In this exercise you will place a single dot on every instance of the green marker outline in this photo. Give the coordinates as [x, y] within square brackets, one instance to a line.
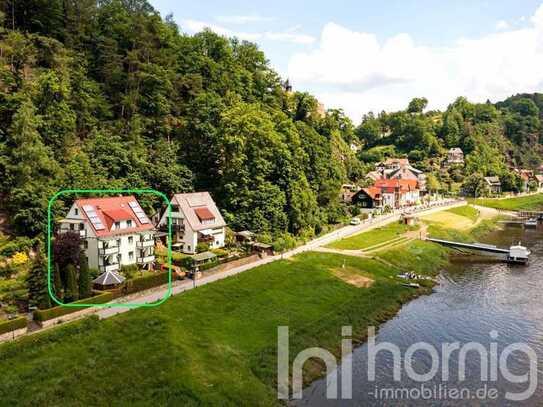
[111, 191]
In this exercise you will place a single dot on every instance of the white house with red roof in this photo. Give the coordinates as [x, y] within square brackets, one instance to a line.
[195, 219]
[115, 232]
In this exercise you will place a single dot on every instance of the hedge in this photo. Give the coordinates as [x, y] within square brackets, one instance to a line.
[12, 325]
[46, 314]
[207, 266]
[143, 283]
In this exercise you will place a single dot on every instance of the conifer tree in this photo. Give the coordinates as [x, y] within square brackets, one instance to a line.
[71, 293]
[84, 278]
[38, 294]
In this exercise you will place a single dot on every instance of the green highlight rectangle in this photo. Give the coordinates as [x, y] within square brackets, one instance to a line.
[108, 191]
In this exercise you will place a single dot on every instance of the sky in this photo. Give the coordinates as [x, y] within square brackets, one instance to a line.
[364, 56]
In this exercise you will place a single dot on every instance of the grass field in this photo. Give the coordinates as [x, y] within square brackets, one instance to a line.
[527, 203]
[215, 345]
[372, 237]
[461, 218]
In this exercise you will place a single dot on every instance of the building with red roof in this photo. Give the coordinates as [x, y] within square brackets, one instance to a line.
[115, 232]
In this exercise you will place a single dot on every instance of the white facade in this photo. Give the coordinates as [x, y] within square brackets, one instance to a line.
[109, 251]
[188, 229]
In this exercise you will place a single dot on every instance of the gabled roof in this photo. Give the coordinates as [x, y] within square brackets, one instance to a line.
[493, 181]
[196, 204]
[539, 178]
[373, 192]
[404, 185]
[110, 210]
[456, 150]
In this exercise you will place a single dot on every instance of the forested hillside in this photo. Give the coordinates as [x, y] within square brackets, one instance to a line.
[109, 95]
[113, 96]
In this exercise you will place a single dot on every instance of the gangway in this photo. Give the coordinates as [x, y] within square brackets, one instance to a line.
[515, 254]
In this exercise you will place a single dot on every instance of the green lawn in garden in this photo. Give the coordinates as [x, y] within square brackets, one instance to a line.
[372, 237]
[524, 203]
[214, 345]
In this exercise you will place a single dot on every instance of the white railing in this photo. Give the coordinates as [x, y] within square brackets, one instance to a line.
[146, 259]
[145, 243]
[109, 267]
[106, 251]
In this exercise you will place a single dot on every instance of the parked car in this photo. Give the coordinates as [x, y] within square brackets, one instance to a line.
[355, 221]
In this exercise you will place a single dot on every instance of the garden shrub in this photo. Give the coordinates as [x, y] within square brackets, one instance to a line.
[12, 325]
[46, 314]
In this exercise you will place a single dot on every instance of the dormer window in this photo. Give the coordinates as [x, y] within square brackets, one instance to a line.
[205, 216]
[117, 225]
[129, 223]
[76, 211]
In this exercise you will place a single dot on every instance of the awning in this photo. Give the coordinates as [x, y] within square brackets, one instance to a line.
[109, 278]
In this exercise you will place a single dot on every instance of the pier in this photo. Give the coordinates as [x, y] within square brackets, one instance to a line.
[515, 254]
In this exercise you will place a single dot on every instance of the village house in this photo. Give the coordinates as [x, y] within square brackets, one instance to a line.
[347, 192]
[115, 232]
[195, 219]
[394, 193]
[398, 168]
[539, 180]
[455, 156]
[494, 185]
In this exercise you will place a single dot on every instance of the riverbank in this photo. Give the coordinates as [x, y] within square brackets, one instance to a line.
[524, 203]
[216, 344]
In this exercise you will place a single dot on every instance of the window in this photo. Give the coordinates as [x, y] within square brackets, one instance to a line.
[85, 244]
[118, 242]
[130, 255]
[76, 211]
[130, 240]
[117, 225]
[129, 223]
[81, 226]
[72, 226]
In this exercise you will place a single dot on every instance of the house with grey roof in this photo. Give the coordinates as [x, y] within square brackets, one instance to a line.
[494, 185]
[195, 219]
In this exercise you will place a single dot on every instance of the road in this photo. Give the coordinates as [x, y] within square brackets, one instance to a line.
[346, 231]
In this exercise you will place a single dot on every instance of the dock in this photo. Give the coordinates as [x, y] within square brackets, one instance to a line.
[515, 254]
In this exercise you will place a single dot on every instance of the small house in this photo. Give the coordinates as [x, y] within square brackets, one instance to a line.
[195, 219]
[539, 180]
[368, 198]
[494, 185]
[108, 280]
[455, 156]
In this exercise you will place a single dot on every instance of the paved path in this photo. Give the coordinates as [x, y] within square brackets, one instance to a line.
[185, 285]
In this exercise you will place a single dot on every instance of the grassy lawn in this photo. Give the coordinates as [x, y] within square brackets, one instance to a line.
[527, 203]
[371, 237]
[417, 257]
[214, 345]
[461, 218]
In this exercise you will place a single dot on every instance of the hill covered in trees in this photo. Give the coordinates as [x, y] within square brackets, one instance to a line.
[110, 95]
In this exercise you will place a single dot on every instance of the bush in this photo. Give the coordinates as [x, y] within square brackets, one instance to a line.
[220, 253]
[129, 270]
[202, 247]
[20, 244]
[143, 283]
[12, 325]
[208, 266]
[284, 242]
[44, 315]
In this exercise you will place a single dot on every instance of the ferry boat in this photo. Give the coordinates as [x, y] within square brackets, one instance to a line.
[518, 254]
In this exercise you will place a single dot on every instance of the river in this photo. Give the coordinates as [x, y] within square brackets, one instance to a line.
[471, 300]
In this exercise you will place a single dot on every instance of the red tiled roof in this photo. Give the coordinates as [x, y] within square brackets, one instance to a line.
[404, 185]
[204, 213]
[373, 192]
[110, 210]
[117, 214]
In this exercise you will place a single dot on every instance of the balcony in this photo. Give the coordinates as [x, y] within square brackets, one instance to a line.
[109, 267]
[106, 251]
[175, 228]
[145, 243]
[146, 259]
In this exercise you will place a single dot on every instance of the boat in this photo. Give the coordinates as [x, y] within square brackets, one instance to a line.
[518, 254]
[411, 285]
[531, 223]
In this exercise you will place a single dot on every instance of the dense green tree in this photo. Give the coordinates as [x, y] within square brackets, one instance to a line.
[71, 289]
[38, 293]
[84, 280]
